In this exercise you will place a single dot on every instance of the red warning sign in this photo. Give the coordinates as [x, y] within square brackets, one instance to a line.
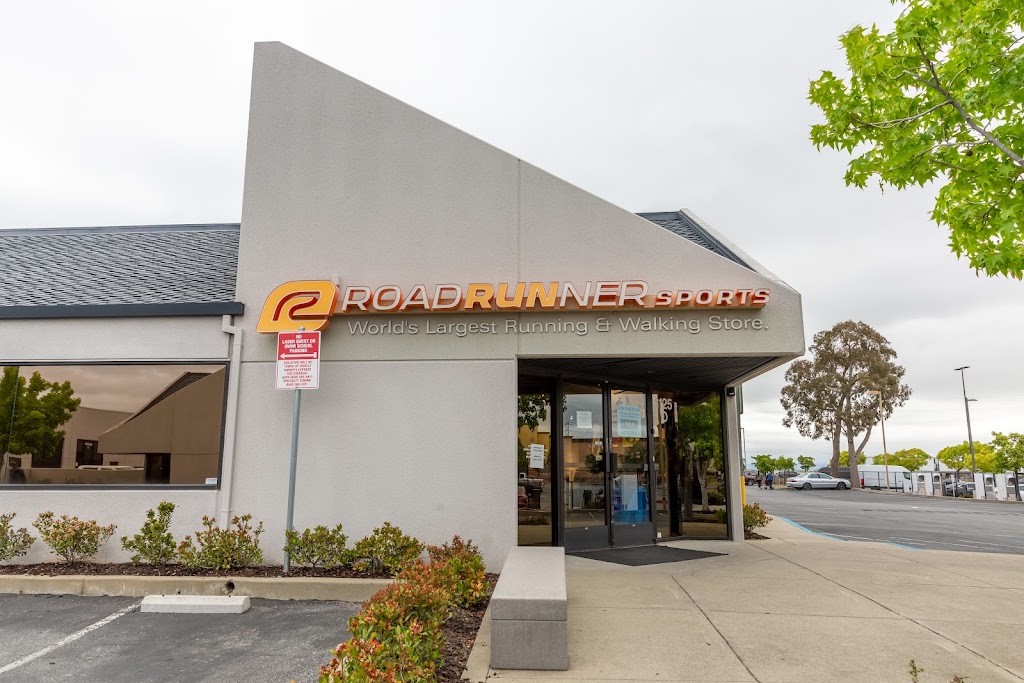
[298, 360]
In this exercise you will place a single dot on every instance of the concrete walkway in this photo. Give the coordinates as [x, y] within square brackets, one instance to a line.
[798, 607]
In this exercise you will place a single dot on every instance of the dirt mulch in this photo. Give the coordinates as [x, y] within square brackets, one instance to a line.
[754, 536]
[459, 635]
[129, 569]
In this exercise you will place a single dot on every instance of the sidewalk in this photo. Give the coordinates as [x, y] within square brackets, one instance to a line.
[858, 612]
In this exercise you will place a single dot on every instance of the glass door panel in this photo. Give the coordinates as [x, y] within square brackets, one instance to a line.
[585, 493]
[535, 461]
[631, 515]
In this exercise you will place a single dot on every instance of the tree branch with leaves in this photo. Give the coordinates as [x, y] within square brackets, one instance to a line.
[939, 99]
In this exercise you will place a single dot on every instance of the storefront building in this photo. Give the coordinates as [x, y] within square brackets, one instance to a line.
[467, 301]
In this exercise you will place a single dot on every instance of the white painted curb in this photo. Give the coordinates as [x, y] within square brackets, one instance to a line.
[195, 604]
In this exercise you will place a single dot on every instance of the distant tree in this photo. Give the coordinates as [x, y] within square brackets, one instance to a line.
[32, 411]
[826, 397]
[911, 458]
[844, 459]
[958, 456]
[785, 464]
[806, 462]
[764, 463]
[938, 100]
[1010, 455]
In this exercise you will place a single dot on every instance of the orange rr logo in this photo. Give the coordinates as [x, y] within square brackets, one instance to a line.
[306, 303]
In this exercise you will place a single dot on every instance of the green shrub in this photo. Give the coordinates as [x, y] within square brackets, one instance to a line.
[715, 498]
[318, 547]
[154, 544]
[722, 516]
[386, 550]
[462, 570]
[72, 538]
[223, 549]
[754, 517]
[398, 634]
[13, 542]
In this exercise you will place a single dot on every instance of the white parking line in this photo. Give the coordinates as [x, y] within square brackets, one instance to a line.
[69, 639]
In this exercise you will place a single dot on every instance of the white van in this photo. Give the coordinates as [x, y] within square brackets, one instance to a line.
[873, 476]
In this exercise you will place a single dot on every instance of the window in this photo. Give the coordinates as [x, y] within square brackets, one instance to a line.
[122, 425]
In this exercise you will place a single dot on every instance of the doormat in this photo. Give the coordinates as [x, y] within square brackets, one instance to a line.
[643, 555]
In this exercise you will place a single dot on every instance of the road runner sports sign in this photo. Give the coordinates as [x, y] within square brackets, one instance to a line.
[311, 303]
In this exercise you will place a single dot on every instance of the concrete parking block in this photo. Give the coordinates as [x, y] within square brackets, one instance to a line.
[194, 604]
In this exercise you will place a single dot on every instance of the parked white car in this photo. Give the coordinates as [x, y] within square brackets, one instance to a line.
[817, 480]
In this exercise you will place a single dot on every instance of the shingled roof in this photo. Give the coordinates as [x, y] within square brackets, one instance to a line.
[152, 270]
[119, 271]
[684, 226]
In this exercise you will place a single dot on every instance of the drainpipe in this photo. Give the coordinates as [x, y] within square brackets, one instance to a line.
[230, 421]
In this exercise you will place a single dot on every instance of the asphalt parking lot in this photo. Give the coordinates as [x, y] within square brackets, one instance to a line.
[70, 638]
[915, 521]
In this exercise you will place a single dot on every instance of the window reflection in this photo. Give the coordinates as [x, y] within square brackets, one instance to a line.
[111, 424]
[690, 467]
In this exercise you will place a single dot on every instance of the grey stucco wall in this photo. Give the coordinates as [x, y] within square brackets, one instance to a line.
[425, 445]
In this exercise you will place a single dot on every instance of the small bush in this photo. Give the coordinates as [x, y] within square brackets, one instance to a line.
[398, 634]
[319, 547]
[722, 516]
[754, 518]
[223, 549]
[13, 542]
[386, 550]
[154, 544]
[715, 498]
[462, 570]
[72, 538]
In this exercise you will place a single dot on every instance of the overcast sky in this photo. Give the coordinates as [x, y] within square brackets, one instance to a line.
[122, 113]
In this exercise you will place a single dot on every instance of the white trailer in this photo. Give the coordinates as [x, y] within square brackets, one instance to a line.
[873, 477]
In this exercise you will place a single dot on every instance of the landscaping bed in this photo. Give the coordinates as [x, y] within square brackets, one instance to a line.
[459, 636]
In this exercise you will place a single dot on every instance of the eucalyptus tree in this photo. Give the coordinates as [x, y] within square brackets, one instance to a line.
[826, 396]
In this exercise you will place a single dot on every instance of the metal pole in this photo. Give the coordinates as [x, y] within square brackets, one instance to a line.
[296, 408]
[967, 409]
[885, 449]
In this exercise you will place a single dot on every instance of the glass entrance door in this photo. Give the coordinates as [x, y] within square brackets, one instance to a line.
[586, 496]
[629, 468]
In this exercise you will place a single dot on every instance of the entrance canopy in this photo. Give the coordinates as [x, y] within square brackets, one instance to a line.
[667, 373]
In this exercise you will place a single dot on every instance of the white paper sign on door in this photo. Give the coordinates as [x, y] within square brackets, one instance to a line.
[537, 455]
[584, 419]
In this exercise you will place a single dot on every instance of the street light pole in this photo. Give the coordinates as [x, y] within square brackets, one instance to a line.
[967, 409]
[885, 449]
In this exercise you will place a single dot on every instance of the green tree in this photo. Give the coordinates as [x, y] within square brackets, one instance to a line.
[826, 397]
[764, 463]
[785, 464]
[939, 100]
[844, 459]
[31, 412]
[958, 456]
[806, 462]
[911, 458]
[1010, 455]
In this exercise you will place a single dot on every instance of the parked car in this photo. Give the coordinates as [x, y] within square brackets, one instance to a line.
[530, 482]
[963, 488]
[749, 478]
[817, 480]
